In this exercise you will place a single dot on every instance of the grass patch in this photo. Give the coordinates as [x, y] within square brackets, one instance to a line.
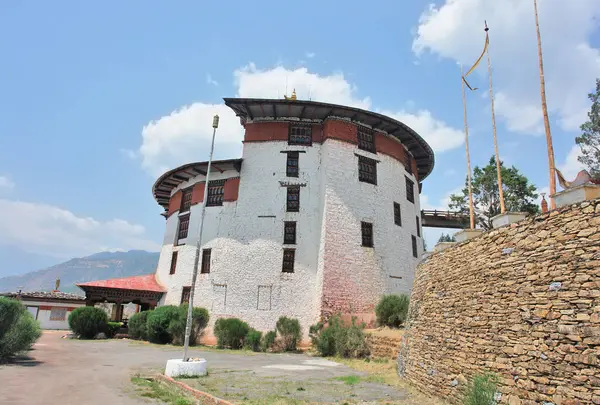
[349, 379]
[149, 388]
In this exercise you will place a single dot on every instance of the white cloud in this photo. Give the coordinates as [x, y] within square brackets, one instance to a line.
[210, 80]
[6, 183]
[437, 133]
[184, 135]
[310, 55]
[128, 153]
[50, 230]
[571, 166]
[455, 30]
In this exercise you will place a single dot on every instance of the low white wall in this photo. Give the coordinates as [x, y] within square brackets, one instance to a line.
[42, 310]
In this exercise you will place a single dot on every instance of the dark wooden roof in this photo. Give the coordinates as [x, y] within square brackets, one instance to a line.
[258, 109]
[165, 184]
[45, 295]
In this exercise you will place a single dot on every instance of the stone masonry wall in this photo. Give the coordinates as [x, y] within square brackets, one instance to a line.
[521, 301]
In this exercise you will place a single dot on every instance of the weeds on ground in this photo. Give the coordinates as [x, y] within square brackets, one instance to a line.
[149, 388]
[481, 389]
[349, 379]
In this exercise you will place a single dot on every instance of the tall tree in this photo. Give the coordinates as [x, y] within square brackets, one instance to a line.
[519, 194]
[589, 141]
[446, 238]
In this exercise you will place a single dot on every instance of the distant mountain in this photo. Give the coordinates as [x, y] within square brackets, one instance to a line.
[98, 266]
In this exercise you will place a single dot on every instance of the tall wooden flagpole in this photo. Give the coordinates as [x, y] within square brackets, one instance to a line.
[545, 111]
[464, 97]
[500, 192]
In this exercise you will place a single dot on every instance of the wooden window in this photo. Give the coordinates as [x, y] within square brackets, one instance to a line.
[173, 263]
[58, 314]
[184, 224]
[289, 256]
[410, 190]
[300, 134]
[215, 193]
[414, 246]
[367, 234]
[186, 200]
[408, 162]
[367, 170]
[289, 233]
[185, 295]
[292, 164]
[366, 139]
[397, 214]
[418, 227]
[293, 199]
[205, 261]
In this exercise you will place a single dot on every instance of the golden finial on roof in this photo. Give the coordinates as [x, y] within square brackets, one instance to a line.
[293, 97]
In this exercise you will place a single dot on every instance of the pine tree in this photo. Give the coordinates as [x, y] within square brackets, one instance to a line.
[589, 141]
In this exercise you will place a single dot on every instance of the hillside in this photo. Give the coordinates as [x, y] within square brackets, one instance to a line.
[98, 266]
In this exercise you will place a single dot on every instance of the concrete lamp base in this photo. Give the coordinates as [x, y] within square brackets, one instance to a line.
[192, 368]
[508, 218]
[467, 234]
[576, 194]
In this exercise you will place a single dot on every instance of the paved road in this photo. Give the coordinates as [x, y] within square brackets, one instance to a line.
[65, 372]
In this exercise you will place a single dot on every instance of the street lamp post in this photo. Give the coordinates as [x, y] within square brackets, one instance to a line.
[188, 325]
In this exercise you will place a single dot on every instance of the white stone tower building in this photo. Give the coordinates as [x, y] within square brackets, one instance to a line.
[321, 215]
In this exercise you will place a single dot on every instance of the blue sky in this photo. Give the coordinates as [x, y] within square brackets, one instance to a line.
[97, 99]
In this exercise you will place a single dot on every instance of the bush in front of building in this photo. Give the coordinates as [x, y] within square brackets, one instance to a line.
[112, 328]
[481, 390]
[87, 322]
[230, 332]
[158, 322]
[392, 310]
[252, 340]
[268, 340]
[289, 332]
[200, 319]
[18, 329]
[137, 325]
[339, 339]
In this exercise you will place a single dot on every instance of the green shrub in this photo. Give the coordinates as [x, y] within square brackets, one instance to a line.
[268, 340]
[230, 332]
[392, 310]
[112, 328]
[289, 331]
[158, 321]
[18, 329]
[137, 325]
[481, 390]
[87, 322]
[252, 340]
[200, 319]
[339, 339]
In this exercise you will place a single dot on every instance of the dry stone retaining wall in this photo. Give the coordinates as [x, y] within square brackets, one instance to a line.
[521, 301]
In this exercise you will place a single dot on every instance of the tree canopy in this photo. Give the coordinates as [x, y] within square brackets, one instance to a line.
[519, 194]
[446, 238]
[589, 141]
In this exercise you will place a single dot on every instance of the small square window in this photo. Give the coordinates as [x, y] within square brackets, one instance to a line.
[205, 261]
[185, 295]
[289, 233]
[58, 314]
[418, 227]
[216, 188]
[367, 170]
[293, 199]
[366, 139]
[367, 234]
[289, 256]
[173, 263]
[186, 200]
[414, 246]
[410, 190]
[184, 224]
[292, 164]
[397, 214]
[300, 134]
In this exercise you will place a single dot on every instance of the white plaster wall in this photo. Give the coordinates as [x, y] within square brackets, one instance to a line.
[246, 237]
[43, 316]
[355, 276]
